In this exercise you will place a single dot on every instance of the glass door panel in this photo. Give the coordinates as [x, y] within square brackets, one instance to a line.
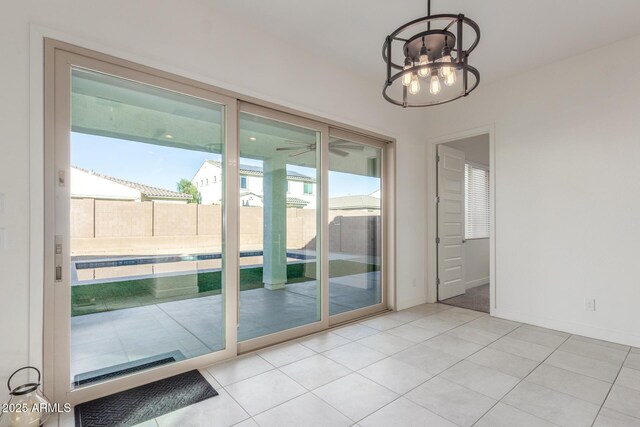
[146, 183]
[355, 226]
[279, 250]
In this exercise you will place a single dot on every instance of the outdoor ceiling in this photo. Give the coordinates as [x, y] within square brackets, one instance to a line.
[108, 106]
[260, 138]
[104, 105]
[516, 35]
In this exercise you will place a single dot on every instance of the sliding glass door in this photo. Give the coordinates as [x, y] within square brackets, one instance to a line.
[356, 213]
[280, 234]
[140, 205]
[185, 227]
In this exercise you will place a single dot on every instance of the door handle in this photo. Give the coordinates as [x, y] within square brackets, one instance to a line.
[58, 258]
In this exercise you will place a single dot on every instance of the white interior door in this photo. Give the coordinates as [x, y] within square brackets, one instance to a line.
[450, 222]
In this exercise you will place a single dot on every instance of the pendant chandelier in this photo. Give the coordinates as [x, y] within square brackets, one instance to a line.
[432, 62]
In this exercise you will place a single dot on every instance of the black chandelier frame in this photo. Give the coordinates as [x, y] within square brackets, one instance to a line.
[436, 39]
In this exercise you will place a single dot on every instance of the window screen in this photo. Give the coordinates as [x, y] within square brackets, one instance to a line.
[476, 202]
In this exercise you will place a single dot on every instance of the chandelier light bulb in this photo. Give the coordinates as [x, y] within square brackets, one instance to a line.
[446, 58]
[406, 79]
[424, 60]
[434, 85]
[414, 86]
[450, 78]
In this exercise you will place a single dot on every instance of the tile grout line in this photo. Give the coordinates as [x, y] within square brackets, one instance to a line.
[356, 372]
[460, 385]
[566, 394]
[352, 372]
[413, 344]
[435, 375]
[307, 391]
[520, 382]
[278, 368]
[585, 357]
[612, 385]
[422, 342]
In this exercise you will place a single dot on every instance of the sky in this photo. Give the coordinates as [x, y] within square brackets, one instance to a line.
[163, 167]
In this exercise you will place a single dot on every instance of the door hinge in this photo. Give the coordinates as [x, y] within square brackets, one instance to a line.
[437, 240]
[437, 199]
[437, 157]
[437, 281]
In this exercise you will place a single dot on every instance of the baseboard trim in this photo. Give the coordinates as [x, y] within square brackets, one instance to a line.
[477, 282]
[619, 337]
[404, 304]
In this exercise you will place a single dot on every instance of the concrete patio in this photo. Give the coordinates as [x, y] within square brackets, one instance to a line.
[193, 327]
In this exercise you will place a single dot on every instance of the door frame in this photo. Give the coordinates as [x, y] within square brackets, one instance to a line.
[57, 333]
[387, 270]
[42, 337]
[432, 211]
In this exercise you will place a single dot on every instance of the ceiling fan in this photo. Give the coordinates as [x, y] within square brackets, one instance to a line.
[337, 147]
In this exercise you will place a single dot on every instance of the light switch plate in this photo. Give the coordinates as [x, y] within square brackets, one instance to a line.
[589, 304]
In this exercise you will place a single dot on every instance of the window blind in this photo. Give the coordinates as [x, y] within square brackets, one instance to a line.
[476, 202]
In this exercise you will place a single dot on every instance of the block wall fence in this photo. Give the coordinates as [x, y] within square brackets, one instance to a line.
[107, 227]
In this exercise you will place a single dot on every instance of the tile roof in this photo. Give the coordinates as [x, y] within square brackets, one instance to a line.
[257, 171]
[146, 190]
[295, 201]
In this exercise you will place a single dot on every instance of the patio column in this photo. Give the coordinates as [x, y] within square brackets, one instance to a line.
[274, 197]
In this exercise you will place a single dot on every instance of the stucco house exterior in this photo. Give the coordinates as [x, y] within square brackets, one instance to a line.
[86, 184]
[301, 189]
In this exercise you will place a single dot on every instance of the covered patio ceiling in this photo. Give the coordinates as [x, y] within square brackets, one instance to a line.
[108, 106]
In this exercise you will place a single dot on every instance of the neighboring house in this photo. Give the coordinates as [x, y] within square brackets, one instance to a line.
[253, 199]
[87, 184]
[301, 189]
[360, 203]
[375, 194]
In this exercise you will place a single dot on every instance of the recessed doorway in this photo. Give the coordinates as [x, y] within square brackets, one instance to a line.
[464, 222]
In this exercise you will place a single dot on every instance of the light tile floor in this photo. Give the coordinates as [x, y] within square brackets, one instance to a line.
[465, 369]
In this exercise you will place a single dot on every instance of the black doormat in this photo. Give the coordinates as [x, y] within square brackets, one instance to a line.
[146, 402]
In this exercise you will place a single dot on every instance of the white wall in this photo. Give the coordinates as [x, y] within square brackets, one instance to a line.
[476, 263]
[567, 142]
[476, 148]
[196, 39]
[476, 251]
